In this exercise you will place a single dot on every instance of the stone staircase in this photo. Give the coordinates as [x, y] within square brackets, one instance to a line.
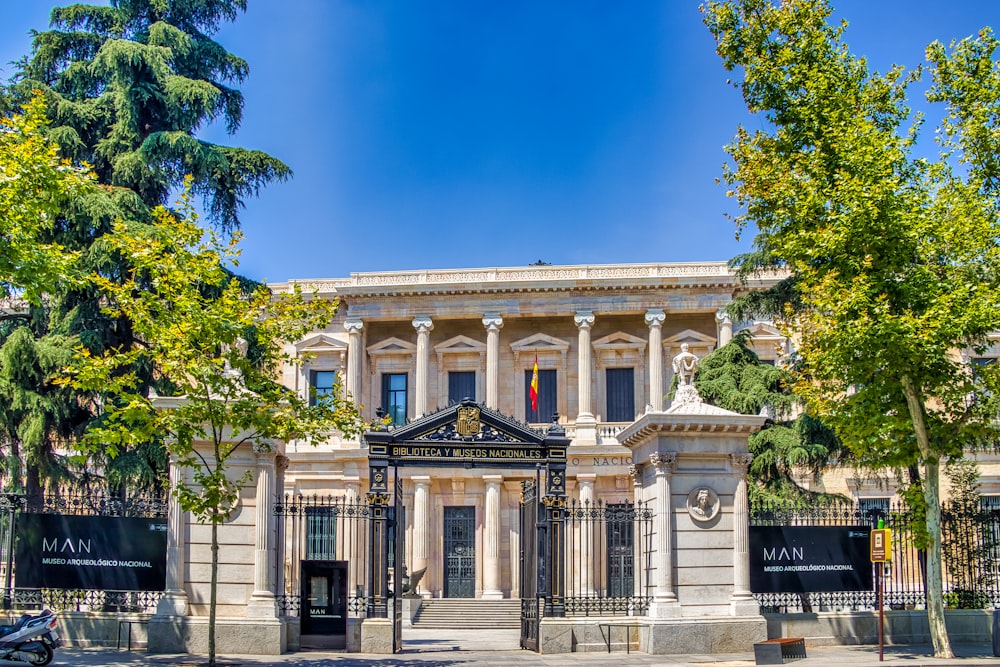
[468, 613]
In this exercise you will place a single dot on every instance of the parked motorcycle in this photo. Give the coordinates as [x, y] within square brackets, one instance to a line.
[31, 640]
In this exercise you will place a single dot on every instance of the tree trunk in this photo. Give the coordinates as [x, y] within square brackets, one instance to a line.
[935, 598]
[213, 594]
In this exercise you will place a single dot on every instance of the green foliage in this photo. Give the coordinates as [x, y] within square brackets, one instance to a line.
[894, 257]
[734, 378]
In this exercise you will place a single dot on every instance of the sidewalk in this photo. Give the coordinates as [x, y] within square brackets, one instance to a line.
[493, 649]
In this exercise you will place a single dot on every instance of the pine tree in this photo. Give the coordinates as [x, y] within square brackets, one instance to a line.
[128, 86]
[734, 378]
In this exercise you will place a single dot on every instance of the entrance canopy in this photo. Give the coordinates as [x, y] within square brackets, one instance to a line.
[468, 435]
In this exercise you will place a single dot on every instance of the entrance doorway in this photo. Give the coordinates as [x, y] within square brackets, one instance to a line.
[324, 604]
[460, 552]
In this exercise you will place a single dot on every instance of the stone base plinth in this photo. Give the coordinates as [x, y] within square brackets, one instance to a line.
[189, 634]
[376, 636]
[655, 636]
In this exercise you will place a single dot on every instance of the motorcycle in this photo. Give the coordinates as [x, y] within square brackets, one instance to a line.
[31, 640]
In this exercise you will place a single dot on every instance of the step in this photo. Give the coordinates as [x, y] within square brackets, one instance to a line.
[468, 613]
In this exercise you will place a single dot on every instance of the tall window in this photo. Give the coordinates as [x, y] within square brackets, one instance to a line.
[394, 397]
[321, 534]
[873, 509]
[461, 384]
[321, 383]
[546, 397]
[620, 384]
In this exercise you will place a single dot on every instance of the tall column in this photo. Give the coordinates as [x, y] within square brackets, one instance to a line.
[423, 325]
[742, 602]
[725, 326]
[421, 530]
[262, 603]
[586, 425]
[491, 539]
[665, 603]
[586, 483]
[175, 600]
[355, 355]
[493, 323]
[655, 319]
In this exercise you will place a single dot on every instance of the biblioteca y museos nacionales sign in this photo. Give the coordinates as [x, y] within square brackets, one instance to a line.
[804, 559]
[91, 552]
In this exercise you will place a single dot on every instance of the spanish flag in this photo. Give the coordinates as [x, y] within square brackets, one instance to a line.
[533, 391]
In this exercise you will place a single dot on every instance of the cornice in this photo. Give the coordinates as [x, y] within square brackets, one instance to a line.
[587, 277]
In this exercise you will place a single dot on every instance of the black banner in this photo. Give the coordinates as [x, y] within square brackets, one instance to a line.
[806, 559]
[90, 552]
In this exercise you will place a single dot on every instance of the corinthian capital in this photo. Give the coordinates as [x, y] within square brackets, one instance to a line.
[663, 461]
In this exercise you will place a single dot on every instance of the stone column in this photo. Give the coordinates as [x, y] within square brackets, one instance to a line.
[175, 600]
[493, 323]
[421, 530]
[725, 326]
[655, 319]
[491, 539]
[742, 601]
[665, 603]
[423, 325]
[262, 603]
[586, 483]
[355, 355]
[586, 425]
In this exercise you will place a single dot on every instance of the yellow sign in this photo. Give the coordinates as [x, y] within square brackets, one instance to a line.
[468, 421]
[881, 546]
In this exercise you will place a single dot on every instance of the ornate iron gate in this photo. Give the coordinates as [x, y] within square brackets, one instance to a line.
[398, 568]
[531, 565]
[460, 552]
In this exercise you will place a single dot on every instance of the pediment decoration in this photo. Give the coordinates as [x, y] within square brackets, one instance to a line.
[460, 344]
[392, 346]
[619, 341]
[540, 342]
[691, 337]
[320, 343]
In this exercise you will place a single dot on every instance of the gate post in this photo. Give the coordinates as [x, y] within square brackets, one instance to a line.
[555, 519]
[378, 539]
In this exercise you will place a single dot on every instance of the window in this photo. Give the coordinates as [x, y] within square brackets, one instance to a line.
[546, 397]
[461, 384]
[321, 534]
[394, 397]
[321, 383]
[873, 509]
[620, 394]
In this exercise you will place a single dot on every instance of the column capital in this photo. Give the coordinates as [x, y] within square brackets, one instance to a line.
[741, 461]
[354, 325]
[493, 321]
[655, 317]
[634, 471]
[586, 478]
[663, 461]
[423, 323]
[722, 317]
[584, 319]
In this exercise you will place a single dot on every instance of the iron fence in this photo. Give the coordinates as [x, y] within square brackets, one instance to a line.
[970, 553]
[321, 528]
[73, 503]
[607, 551]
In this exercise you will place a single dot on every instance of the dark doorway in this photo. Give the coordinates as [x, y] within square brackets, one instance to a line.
[460, 552]
[323, 615]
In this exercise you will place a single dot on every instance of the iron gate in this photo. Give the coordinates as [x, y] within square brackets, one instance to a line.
[460, 552]
[531, 565]
[398, 568]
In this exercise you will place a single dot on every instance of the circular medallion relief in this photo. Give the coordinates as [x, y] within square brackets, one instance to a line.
[703, 504]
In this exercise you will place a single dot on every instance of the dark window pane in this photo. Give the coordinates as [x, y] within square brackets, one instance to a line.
[394, 397]
[546, 397]
[461, 384]
[321, 534]
[322, 383]
[621, 394]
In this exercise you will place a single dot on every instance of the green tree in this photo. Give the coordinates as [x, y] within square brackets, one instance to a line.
[220, 344]
[894, 256]
[734, 378]
[128, 87]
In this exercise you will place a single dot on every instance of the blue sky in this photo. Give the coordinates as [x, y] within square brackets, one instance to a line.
[458, 133]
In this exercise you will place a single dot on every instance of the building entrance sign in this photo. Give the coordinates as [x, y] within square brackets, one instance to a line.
[465, 435]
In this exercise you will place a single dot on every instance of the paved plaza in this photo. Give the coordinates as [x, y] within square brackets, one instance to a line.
[498, 648]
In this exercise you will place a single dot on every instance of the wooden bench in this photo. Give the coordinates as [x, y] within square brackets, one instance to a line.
[779, 650]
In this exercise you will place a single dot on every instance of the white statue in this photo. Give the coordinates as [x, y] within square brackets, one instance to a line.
[685, 364]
